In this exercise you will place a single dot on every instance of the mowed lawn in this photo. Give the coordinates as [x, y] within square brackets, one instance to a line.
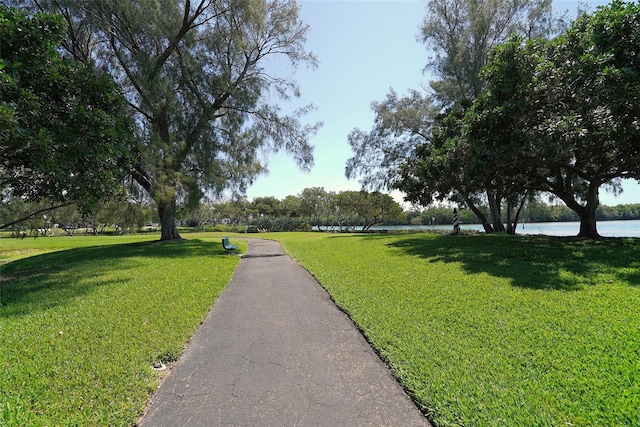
[494, 330]
[482, 330]
[82, 320]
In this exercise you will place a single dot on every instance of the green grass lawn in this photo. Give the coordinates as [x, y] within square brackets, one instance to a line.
[82, 319]
[494, 330]
[482, 330]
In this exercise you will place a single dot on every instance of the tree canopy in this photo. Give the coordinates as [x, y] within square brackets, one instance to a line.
[371, 208]
[567, 110]
[460, 33]
[557, 116]
[64, 131]
[193, 73]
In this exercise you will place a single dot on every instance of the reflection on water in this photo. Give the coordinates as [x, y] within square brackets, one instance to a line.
[630, 228]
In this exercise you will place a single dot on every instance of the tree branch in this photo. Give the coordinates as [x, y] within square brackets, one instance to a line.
[31, 215]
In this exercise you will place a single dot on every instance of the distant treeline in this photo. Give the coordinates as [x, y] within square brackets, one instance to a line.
[533, 212]
[313, 209]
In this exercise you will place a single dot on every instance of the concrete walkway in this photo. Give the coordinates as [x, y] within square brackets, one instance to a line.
[275, 351]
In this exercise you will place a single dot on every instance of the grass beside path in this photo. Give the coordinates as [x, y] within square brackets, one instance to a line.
[83, 318]
[494, 330]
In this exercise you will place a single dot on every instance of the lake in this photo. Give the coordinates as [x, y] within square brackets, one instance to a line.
[628, 228]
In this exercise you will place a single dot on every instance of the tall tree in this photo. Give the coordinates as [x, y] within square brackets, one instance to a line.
[372, 208]
[193, 71]
[269, 207]
[314, 203]
[494, 134]
[590, 86]
[64, 131]
[566, 112]
[460, 33]
[291, 206]
[437, 169]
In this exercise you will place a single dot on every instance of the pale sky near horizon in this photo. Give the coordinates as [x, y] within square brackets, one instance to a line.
[364, 48]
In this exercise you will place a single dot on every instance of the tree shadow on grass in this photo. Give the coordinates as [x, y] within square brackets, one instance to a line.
[534, 262]
[46, 280]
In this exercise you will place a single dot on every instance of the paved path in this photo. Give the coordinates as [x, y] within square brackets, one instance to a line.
[275, 351]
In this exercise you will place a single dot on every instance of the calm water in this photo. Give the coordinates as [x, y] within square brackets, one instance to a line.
[630, 228]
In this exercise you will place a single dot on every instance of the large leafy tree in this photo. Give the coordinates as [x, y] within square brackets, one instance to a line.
[589, 131]
[437, 168]
[460, 33]
[494, 136]
[314, 203]
[268, 207]
[194, 73]
[371, 208]
[64, 133]
[565, 113]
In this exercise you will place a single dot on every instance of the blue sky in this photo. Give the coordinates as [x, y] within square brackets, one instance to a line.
[364, 48]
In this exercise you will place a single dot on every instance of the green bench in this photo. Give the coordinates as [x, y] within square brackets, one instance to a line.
[228, 246]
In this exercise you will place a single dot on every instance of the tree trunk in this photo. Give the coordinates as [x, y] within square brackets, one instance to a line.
[586, 213]
[511, 226]
[167, 214]
[483, 219]
[494, 208]
[588, 226]
[512, 223]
